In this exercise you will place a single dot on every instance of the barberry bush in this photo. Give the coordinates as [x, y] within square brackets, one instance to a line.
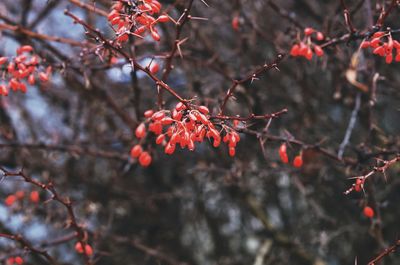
[199, 132]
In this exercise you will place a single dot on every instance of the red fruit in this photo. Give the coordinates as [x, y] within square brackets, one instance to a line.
[3, 90]
[378, 34]
[3, 60]
[122, 38]
[20, 194]
[375, 43]
[235, 23]
[320, 36]
[140, 131]
[309, 54]
[163, 18]
[180, 106]
[10, 261]
[308, 31]
[318, 50]
[154, 34]
[18, 260]
[148, 113]
[358, 185]
[204, 110]
[295, 51]
[169, 148]
[368, 212]
[159, 115]
[283, 154]
[88, 250]
[298, 161]
[389, 58]
[365, 44]
[43, 77]
[160, 139]
[10, 200]
[78, 247]
[154, 68]
[379, 51]
[34, 196]
[232, 151]
[397, 59]
[145, 159]
[136, 151]
[25, 48]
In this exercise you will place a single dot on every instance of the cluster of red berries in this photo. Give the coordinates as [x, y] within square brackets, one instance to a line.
[182, 126]
[297, 161]
[15, 260]
[306, 47]
[88, 249]
[22, 67]
[383, 45]
[136, 18]
[34, 197]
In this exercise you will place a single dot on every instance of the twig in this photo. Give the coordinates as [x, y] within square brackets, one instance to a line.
[351, 125]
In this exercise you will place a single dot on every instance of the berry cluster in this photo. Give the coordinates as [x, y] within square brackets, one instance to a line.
[383, 45]
[88, 249]
[297, 161]
[34, 197]
[182, 126]
[306, 47]
[15, 260]
[136, 18]
[23, 67]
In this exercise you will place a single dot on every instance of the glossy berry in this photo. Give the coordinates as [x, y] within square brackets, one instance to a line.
[34, 196]
[140, 131]
[368, 212]
[136, 151]
[298, 161]
[18, 260]
[308, 31]
[235, 23]
[145, 159]
[10, 200]
[283, 153]
[154, 68]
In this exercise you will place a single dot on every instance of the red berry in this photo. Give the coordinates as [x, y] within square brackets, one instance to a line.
[232, 151]
[375, 43]
[298, 161]
[368, 212]
[140, 131]
[320, 36]
[136, 151]
[18, 260]
[20, 194]
[295, 51]
[180, 106]
[283, 154]
[318, 50]
[3, 60]
[309, 54]
[34, 196]
[204, 110]
[160, 139]
[389, 58]
[154, 68]
[365, 44]
[78, 247]
[88, 250]
[308, 31]
[163, 18]
[10, 200]
[148, 113]
[235, 23]
[145, 159]
[358, 185]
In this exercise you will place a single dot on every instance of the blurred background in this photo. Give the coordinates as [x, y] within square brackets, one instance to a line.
[203, 207]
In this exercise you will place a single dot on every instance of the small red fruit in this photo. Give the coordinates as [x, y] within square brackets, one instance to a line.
[136, 151]
[298, 161]
[140, 131]
[145, 159]
[18, 260]
[368, 212]
[154, 68]
[283, 154]
[308, 31]
[235, 23]
[34, 196]
[10, 200]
